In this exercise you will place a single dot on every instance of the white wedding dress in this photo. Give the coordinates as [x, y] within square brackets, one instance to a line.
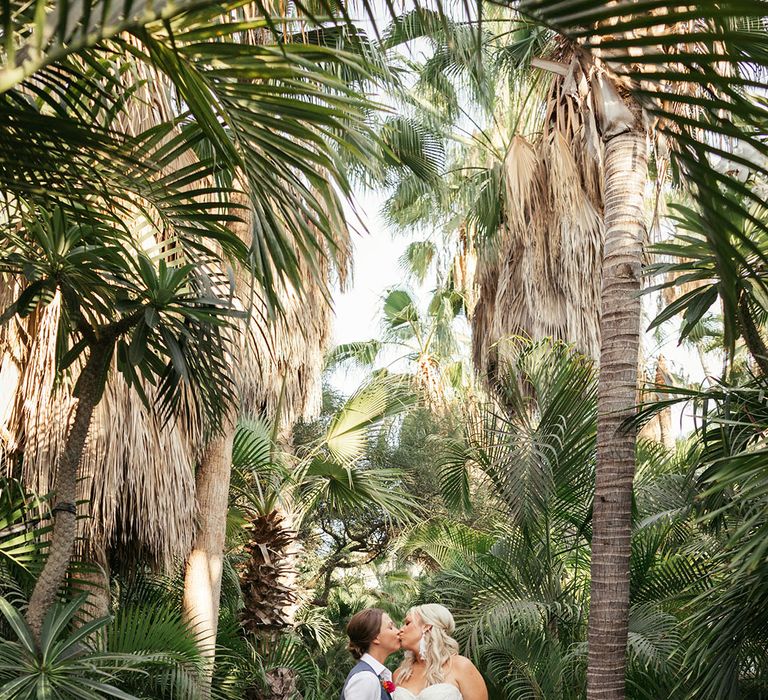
[438, 691]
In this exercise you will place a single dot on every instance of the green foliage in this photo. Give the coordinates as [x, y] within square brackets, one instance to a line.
[536, 447]
[155, 631]
[162, 322]
[258, 472]
[213, 133]
[428, 340]
[722, 251]
[65, 665]
[21, 528]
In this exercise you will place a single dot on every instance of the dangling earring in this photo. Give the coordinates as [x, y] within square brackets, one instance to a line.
[422, 648]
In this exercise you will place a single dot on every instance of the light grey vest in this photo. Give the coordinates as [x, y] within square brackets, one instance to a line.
[362, 667]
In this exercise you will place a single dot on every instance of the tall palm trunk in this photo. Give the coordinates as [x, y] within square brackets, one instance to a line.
[202, 582]
[625, 177]
[88, 391]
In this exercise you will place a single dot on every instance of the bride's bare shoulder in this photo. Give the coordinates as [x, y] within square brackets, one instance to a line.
[461, 663]
[471, 683]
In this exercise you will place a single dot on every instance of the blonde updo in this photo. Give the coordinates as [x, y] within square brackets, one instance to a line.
[439, 645]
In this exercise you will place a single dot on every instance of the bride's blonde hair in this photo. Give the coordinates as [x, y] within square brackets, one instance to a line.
[439, 646]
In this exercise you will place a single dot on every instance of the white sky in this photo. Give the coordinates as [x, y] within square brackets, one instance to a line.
[376, 269]
[376, 255]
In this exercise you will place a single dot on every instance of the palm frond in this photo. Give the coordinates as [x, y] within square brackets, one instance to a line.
[349, 429]
[363, 353]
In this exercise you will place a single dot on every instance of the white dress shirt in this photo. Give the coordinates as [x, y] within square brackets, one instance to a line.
[366, 686]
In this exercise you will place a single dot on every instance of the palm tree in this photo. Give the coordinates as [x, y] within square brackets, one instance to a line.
[327, 480]
[610, 67]
[286, 187]
[428, 341]
[153, 320]
[625, 156]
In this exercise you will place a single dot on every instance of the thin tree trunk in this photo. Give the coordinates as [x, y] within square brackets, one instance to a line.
[88, 391]
[751, 334]
[202, 582]
[625, 176]
[94, 582]
[666, 435]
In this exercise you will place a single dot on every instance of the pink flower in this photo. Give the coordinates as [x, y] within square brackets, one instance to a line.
[389, 686]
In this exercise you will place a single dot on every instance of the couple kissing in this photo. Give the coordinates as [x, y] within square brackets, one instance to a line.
[432, 668]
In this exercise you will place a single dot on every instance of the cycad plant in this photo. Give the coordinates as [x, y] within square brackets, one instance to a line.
[58, 663]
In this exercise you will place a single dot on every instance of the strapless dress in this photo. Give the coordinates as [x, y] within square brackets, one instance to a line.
[438, 691]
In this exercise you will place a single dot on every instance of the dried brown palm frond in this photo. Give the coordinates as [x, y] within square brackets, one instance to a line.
[541, 278]
[281, 359]
[521, 170]
[137, 471]
[137, 474]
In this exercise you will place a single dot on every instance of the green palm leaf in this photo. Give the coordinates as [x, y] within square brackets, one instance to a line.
[349, 430]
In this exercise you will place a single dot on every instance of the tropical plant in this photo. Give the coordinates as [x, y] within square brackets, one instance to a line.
[610, 64]
[429, 342]
[114, 301]
[21, 536]
[153, 136]
[59, 663]
[725, 470]
[719, 253]
[519, 585]
[329, 482]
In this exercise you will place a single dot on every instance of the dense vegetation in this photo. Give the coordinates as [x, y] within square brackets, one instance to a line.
[189, 509]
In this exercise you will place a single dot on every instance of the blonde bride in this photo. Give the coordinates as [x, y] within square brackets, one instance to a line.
[432, 668]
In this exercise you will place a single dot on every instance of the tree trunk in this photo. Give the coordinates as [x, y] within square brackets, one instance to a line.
[202, 582]
[625, 177]
[666, 436]
[751, 334]
[93, 581]
[88, 391]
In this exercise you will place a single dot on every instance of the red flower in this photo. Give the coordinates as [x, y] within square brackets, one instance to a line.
[389, 686]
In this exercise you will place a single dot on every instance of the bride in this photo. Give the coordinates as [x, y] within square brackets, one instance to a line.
[432, 668]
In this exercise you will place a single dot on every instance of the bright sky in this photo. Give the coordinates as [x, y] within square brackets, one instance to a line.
[376, 255]
[376, 268]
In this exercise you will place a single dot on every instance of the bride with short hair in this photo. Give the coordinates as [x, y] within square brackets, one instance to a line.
[432, 668]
